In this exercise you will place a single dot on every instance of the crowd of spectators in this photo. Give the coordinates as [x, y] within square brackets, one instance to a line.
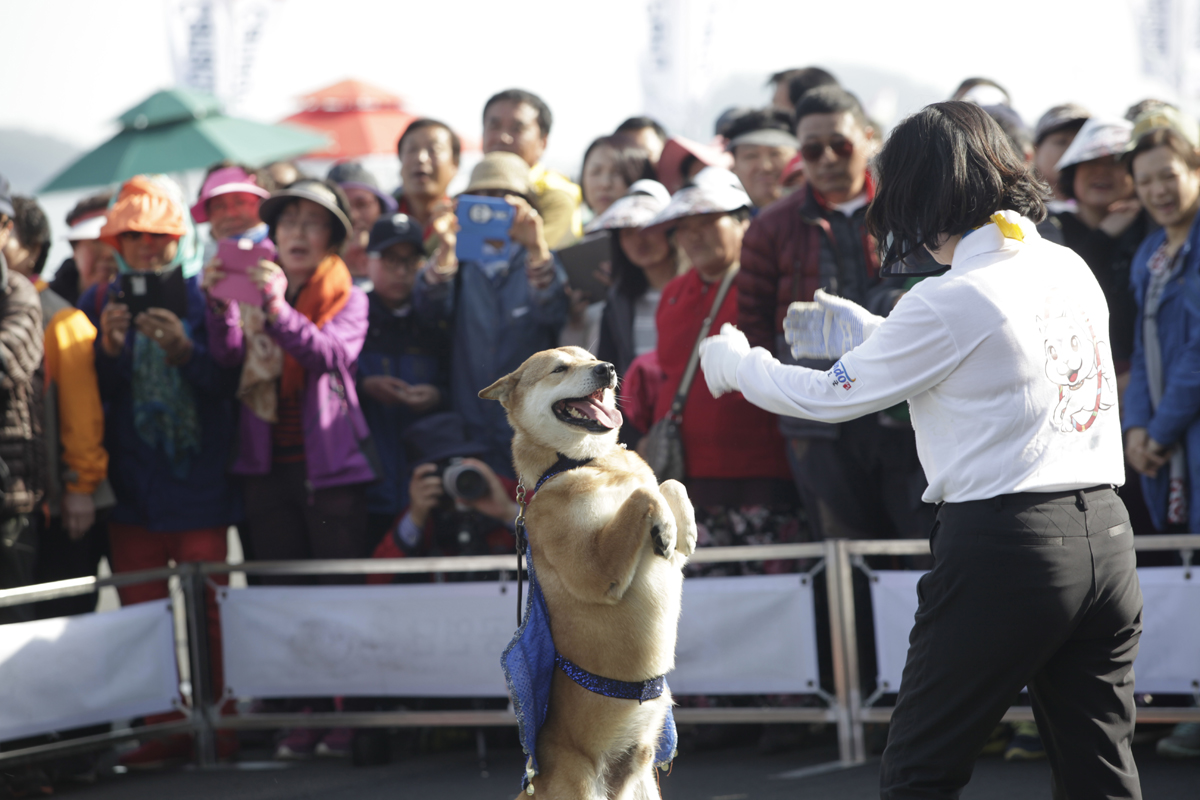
[322, 415]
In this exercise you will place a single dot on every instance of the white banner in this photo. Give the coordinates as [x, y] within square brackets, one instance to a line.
[1168, 659]
[743, 635]
[677, 69]
[894, 605]
[1169, 38]
[754, 634]
[63, 673]
[214, 44]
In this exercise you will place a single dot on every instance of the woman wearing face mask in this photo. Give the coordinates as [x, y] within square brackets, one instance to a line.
[1006, 368]
[168, 424]
[736, 468]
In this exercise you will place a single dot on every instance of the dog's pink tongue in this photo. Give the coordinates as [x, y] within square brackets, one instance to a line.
[608, 416]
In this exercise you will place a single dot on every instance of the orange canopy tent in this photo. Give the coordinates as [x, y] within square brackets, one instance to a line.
[360, 119]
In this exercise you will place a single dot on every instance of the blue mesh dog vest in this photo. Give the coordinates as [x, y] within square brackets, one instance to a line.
[530, 660]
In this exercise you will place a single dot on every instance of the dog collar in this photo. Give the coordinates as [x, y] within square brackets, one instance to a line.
[564, 464]
[610, 687]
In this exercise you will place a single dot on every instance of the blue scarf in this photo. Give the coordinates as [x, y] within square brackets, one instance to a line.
[164, 404]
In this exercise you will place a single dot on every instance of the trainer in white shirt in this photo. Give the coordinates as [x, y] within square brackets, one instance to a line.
[1004, 362]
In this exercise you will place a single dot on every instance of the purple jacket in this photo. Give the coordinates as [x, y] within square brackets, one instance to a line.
[335, 433]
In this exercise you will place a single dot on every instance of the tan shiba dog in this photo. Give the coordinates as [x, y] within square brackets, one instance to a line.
[609, 545]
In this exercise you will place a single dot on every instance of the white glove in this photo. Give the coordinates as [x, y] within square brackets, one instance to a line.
[719, 358]
[828, 328]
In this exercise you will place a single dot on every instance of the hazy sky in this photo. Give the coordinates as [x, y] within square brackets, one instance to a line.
[74, 65]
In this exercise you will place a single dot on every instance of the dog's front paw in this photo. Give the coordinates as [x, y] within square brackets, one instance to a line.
[662, 531]
[685, 516]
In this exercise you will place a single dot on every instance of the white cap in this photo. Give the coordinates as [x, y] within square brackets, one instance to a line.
[713, 191]
[642, 203]
[1096, 139]
[86, 229]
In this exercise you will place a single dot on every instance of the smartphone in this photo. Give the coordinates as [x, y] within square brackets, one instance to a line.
[481, 219]
[237, 256]
[582, 261]
[142, 291]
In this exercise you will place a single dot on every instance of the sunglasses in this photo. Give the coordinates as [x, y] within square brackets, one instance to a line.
[841, 147]
[130, 236]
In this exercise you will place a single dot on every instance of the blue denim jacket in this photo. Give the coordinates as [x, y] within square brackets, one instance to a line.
[499, 320]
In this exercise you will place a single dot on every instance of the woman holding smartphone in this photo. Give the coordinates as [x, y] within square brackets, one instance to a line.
[168, 423]
[1005, 365]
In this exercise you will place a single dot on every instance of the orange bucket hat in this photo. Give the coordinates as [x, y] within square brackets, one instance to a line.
[144, 206]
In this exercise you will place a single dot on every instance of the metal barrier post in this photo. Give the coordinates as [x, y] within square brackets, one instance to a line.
[849, 623]
[196, 609]
[845, 689]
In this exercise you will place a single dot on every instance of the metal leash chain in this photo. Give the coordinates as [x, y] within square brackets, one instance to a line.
[519, 529]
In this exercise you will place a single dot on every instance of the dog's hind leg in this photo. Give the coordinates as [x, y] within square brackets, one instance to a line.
[567, 774]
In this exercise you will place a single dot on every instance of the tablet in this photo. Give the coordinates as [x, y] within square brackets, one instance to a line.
[582, 262]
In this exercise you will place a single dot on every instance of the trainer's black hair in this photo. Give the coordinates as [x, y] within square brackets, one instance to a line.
[544, 118]
[1014, 128]
[635, 124]
[942, 172]
[32, 229]
[829, 100]
[802, 81]
[426, 122]
[758, 120]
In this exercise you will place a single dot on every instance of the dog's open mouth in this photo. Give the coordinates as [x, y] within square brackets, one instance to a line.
[590, 413]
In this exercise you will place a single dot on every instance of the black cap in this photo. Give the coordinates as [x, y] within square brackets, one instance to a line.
[395, 229]
[438, 437]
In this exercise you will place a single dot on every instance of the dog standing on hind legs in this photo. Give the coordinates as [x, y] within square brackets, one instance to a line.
[608, 545]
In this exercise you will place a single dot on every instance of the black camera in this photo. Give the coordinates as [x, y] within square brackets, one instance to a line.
[463, 481]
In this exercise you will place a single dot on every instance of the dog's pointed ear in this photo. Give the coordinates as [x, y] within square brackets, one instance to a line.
[501, 389]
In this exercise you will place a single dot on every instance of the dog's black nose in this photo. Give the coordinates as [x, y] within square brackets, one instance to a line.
[605, 371]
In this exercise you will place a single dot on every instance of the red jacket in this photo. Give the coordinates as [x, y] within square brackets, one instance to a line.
[781, 255]
[723, 437]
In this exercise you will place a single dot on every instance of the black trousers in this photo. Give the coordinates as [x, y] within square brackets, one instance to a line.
[1034, 590]
[59, 558]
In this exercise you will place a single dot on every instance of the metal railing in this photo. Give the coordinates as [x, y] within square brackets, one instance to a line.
[847, 555]
[837, 558]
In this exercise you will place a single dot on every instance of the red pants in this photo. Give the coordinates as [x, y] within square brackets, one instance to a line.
[136, 548]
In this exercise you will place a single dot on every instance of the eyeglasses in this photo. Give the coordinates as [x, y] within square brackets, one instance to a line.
[406, 263]
[306, 226]
[134, 236]
[841, 147]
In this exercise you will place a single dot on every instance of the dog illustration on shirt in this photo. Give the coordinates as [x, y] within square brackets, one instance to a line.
[1075, 364]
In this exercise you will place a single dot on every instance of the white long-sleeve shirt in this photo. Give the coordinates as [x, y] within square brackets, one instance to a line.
[1004, 361]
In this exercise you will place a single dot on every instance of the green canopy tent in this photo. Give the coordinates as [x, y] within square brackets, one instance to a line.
[178, 130]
